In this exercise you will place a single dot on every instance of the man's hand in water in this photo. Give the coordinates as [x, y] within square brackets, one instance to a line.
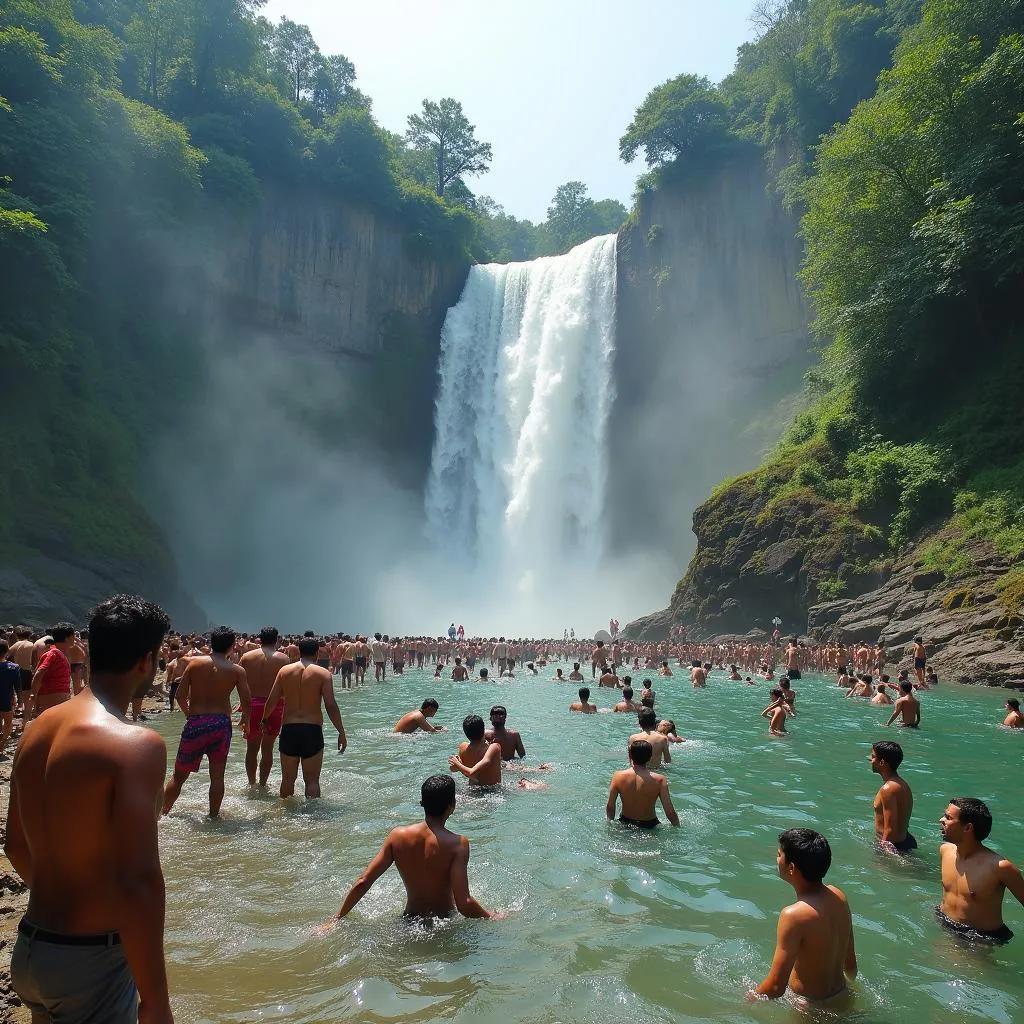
[326, 929]
[342, 743]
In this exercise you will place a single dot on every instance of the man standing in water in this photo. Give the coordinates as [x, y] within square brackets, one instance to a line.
[432, 862]
[894, 803]
[814, 947]
[974, 878]
[907, 706]
[477, 759]
[648, 722]
[91, 942]
[640, 789]
[509, 740]
[305, 688]
[204, 694]
[583, 705]
[261, 667]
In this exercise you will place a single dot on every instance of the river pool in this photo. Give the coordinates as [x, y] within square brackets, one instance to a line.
[604, 925]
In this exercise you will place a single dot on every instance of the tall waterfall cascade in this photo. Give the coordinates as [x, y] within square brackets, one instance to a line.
[519, 467]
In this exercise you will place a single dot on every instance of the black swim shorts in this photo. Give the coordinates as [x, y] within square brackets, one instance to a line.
[996, 937]
[301, 739]
[652, 823]
[906, 844]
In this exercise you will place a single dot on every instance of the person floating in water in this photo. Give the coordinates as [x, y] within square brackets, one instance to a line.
[432, 862]
[814, 952]
[894, 802]
[974, 878]
[640, 789]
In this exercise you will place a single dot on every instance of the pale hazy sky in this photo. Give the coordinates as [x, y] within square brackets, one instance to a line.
[551, 84]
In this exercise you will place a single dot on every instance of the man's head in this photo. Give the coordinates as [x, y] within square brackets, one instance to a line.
[776, 693]
[647, 699]
[584, 693]
[803, 853]
[627, 693]
[483, 673]
[63, 634]
[906, 686]
[498, 715]
[125, 634]
[647, 719]
[308, 646]
[222, 639]
[473, 727]
[918, 640]
[575, 666]
[429, 707]
[437, 796]
[885, 757]
[966, 816]
[784, 684]
[640, 752]
[647, 684]
[268, 636]
[1013, 704]
[627, 681]
[3, 649]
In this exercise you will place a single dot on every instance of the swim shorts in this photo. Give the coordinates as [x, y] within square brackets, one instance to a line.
[346, 668]
[208, 735]
[301, 739]
[906, 844]
[324, 662]
[272, 727]
[919, 662]
[26, 680]
[794, 673]
[652, 823]
[997, 937]
[76, 979]
[361, 661]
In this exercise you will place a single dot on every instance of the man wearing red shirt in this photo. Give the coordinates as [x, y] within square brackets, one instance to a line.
[51, 684]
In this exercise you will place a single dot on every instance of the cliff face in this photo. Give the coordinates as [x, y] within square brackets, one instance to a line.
[711, 347]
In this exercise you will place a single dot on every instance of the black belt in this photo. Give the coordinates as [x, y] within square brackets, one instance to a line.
[30, 931]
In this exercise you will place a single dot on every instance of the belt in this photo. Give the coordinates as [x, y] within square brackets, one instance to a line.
[30, 931]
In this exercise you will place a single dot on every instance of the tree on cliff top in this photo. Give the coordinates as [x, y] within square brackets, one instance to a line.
[444, 131]
[678, 118]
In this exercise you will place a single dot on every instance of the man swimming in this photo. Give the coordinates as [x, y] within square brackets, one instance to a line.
[640, 789]
[814, 948]
[1014, 719]
[583, 705]
[648, 722]
[431, 861]
[894, 802]
[413, 721]
[477, 759]
[261, 667]
[204, 694]
[307, 691]
[974, 878]
[907, 706]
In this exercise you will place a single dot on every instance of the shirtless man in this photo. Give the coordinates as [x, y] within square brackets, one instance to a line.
[76, 656]
[920, 658]
[881, 697]
[609, 678]
[640, 789]
[576, 676]
[664, 670]
[499, 654]
[1014, 719]
[431, 861]
[379, 653]
[261, 667]
[346, 660]
[307, 690]
[626, 704]
[51, 683]
[205, 697]
[894, 803]
[907, 706]
[974, 878]
[788, 693]
[477, 759]
[583, 705]
[598, 658]
[648, 722]
[509, 740]
[82, 770]
[460, 673]
[698, 675]
[776, 714]
[412, 721]
[793, 653]
[360, 652]
[21, 655]
[814, 948]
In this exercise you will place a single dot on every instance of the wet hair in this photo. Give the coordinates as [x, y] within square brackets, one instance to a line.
[974, 812]
[429, 703]
[437, 794]
[268, 636]
[575, 666]
[122, 631]
[647, 718]
[906, 686]
[499, 709]
[808, 851]
[61, 632]
[647, 684]
[627, 681]
[1013, 703]
[885, 678]
[222, 639]
[473, 727]
[308, 646]
[889, 752]
[640, 751]
[483, 673]
[777, 693]
[647, 700]
[784, 683]
[627, 692]
[584, 692]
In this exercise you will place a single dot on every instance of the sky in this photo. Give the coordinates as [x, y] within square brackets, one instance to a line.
[551, 84]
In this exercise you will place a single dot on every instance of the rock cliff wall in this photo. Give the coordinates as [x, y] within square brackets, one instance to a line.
[712, 345]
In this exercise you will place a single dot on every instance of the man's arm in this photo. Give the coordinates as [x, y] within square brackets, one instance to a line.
[1008, 873]
[787, 945]
[666, 756]
[181, 695]
[492, 754]
[895, 712]
[850, 964]
[464, 902]
[331, 707]
[613, 799]
[134, 814]
[666, 802]
[426, 725]
[244, 699]
[520, 749]
[15, 844]
[384, 859]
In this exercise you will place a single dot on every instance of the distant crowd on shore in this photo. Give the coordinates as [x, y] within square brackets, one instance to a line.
[91, 943]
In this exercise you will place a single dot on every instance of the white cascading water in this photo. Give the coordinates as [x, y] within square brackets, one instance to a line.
[519, 467]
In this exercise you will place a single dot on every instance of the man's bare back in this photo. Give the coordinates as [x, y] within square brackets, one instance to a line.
[207, 684]
[658, 742]
[261, 667]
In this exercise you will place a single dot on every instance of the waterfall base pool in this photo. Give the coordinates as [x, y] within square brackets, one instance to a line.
[604, 925]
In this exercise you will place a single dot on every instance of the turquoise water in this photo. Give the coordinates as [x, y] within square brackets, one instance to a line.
[604, 925]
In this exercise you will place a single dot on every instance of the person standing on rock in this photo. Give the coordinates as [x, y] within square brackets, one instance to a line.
[920, 658]
[90, 946]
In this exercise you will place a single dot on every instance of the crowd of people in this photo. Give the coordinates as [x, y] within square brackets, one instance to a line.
[91, 944]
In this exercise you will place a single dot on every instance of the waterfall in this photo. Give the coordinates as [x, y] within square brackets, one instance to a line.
[519, 466]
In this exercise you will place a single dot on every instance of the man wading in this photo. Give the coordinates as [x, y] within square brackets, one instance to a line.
[82, 833]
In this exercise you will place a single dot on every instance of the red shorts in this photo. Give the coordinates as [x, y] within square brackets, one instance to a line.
[273, 726]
